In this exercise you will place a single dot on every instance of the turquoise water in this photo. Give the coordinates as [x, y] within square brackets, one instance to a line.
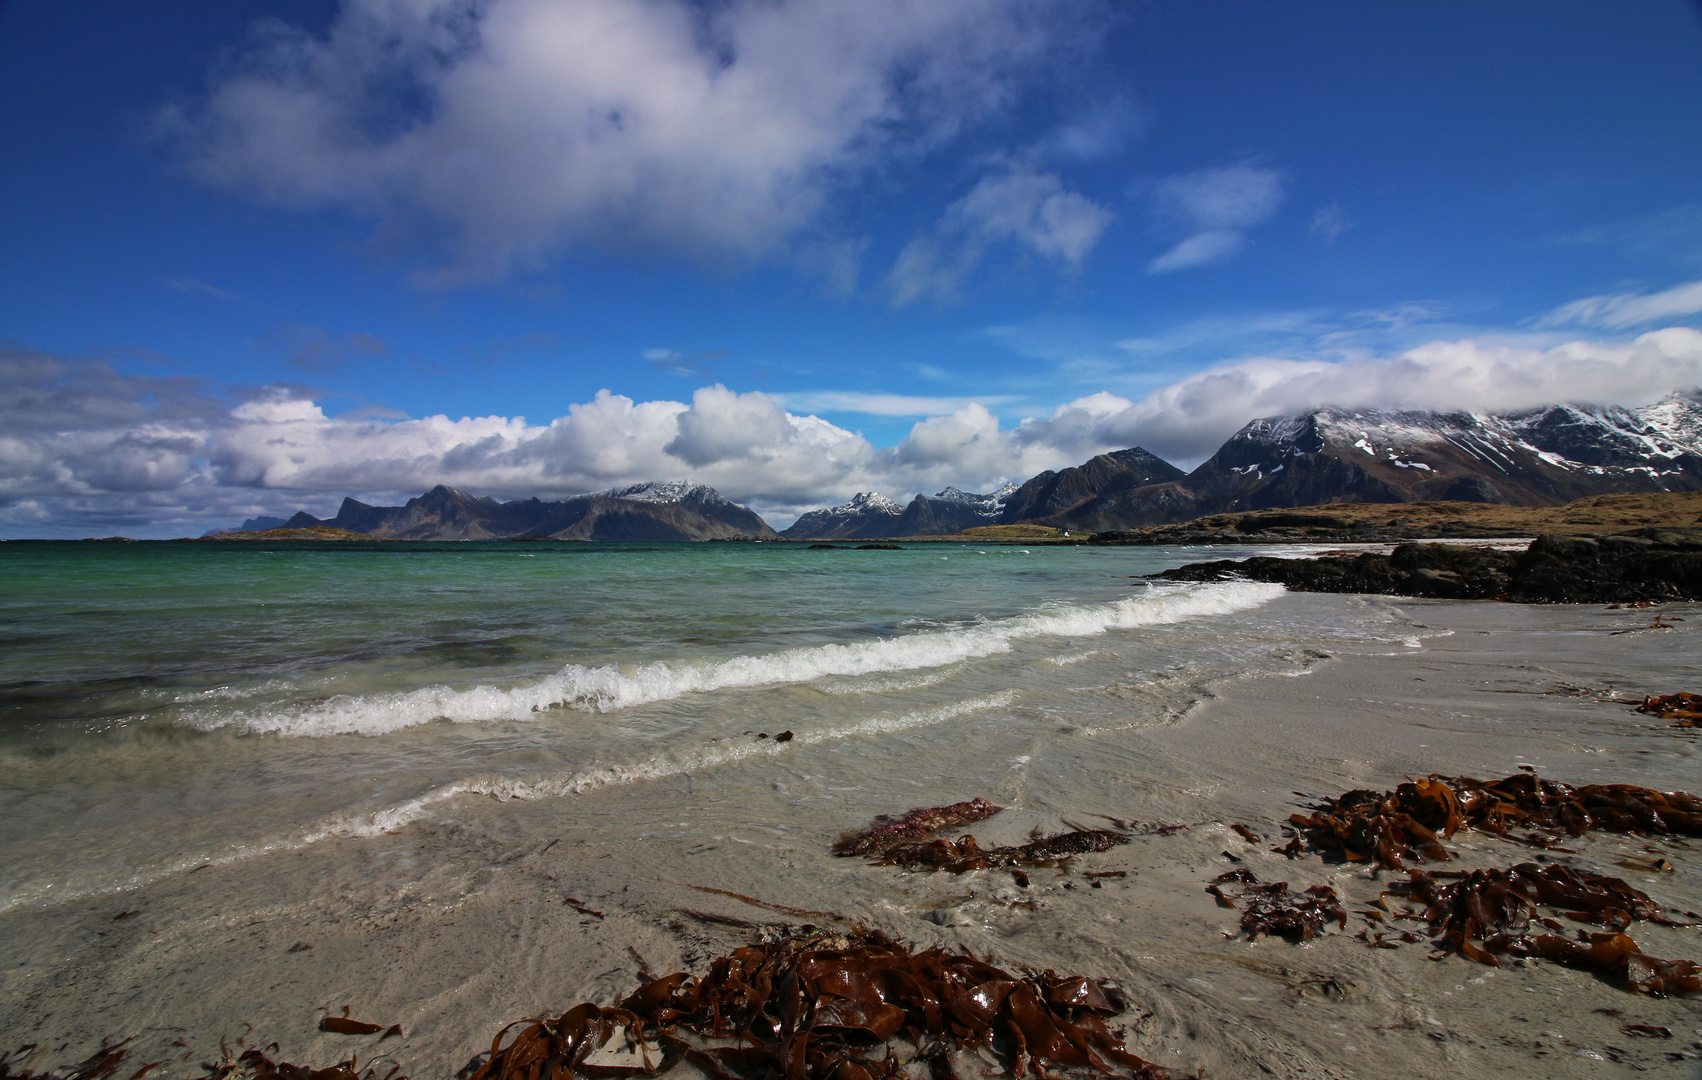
[163, 705]
[104, 635]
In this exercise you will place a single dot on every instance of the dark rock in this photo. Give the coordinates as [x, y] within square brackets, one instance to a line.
[1553, 570]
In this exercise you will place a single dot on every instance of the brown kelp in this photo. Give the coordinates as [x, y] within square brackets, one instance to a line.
[1410, 822]
[251, 1064]
[1487, 914]
[918, 825]
[828, 1007]
[959, 856]
[1683, 706]
[801, 1006]
[1272, 909]
[97, 1066]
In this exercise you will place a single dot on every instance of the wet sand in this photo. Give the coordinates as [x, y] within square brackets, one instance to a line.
[454, 927]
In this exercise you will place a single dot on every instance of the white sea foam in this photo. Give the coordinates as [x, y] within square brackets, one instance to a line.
[591, 778]
[611, 687]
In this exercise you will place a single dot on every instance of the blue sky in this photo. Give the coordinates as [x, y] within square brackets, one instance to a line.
[260, 255]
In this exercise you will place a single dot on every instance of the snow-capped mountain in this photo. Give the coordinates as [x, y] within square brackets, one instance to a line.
[1539, 457]
[952, 511]
[668, 491]
[868, 516]
[873, 516]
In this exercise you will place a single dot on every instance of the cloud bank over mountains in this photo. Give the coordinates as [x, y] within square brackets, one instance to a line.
[512, 131]
[88, 449]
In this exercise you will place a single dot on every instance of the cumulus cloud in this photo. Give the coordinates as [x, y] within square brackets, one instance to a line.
[1028, 209]
[86, 449]
[1213, 209]
[1622, 311]
[516, 129]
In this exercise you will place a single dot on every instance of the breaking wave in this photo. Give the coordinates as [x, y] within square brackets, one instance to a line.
[612, 687]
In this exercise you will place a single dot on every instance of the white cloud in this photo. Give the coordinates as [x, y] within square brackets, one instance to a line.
[1028, 209]
[1033, 210]
[1214, 208]
[1201, 249]
[515, 129]
[1621, 311]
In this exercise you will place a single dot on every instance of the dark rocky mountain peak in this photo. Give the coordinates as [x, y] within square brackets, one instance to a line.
[952, 511]
[1051, 494]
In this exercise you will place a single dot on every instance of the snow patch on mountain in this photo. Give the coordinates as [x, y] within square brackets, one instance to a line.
[667, 491]
[990, 503]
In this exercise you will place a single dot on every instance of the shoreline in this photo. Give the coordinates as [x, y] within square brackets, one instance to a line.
[551, 902]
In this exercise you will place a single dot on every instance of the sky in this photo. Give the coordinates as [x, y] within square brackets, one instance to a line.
[260, 255]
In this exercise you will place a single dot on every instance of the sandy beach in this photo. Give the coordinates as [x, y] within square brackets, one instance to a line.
[504, 909]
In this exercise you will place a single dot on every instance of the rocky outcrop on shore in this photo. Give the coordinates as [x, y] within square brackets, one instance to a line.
[1644, 565]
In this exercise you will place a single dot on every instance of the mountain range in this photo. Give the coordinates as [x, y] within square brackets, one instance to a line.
[676, 510]
[1538, 457]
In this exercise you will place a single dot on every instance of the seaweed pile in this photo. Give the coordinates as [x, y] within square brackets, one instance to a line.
[822, 1007]
[918, 826]
[808, 1006]
[913, 841]
[251, 1064]
[1411, 821]
[1272, 909]
[1487, 914]
[960, 856]
[1683, 706]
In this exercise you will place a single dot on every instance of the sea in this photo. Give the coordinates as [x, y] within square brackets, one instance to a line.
[170, 706]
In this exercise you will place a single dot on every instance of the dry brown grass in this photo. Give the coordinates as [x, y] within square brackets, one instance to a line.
[1596, 514]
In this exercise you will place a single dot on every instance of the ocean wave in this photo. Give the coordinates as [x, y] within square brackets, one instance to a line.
[503, 789]
[611, 687]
